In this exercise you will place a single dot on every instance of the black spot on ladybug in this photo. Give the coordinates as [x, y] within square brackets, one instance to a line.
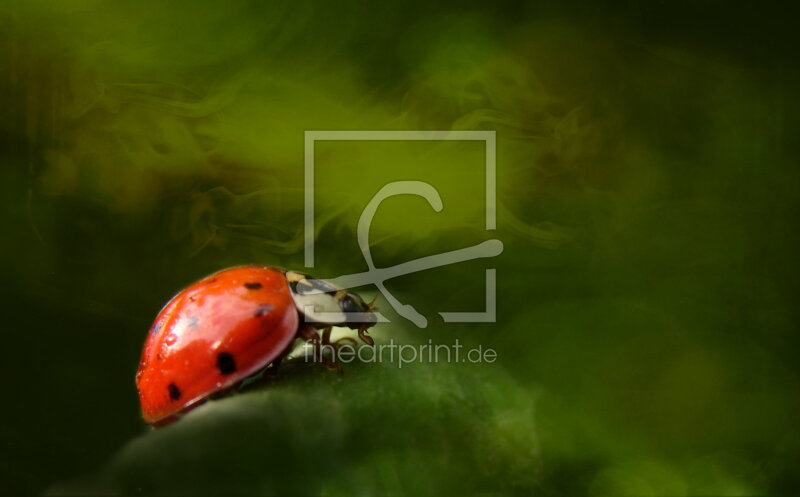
[263, 310]
[174, 391]
[225, 363]
[252, 286]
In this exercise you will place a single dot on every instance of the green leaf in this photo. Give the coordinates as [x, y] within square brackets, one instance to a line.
[376, 429]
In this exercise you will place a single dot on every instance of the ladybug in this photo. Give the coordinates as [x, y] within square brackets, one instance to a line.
[230, 326]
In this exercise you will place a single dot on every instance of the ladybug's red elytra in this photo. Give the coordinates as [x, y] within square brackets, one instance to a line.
[232, 325]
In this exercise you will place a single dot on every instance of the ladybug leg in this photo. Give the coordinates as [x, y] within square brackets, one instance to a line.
[326, 342]
[272, 372]
[351, 340]
[326, 336]
[310, 335]
[362, 334]
[326, 339]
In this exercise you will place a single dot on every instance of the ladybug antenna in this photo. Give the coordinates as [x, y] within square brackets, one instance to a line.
[371, 302]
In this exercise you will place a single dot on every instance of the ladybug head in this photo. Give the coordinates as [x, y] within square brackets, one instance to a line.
[322, 304]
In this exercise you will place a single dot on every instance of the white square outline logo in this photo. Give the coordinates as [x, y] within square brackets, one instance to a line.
[485, 249]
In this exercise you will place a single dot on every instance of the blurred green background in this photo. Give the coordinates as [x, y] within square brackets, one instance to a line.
[647, 199]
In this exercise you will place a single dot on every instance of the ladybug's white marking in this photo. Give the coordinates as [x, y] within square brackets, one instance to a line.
[320, 307]
[317, 300]
[293, 277]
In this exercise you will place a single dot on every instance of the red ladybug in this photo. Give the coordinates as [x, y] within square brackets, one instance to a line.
[232, 325]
